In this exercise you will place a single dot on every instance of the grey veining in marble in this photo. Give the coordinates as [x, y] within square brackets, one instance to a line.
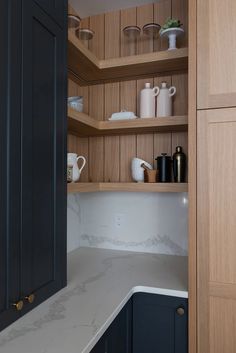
[153, 223]
[99, 283]
[159, 244]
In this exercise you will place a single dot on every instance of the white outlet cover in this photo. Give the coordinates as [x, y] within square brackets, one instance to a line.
[119, 220]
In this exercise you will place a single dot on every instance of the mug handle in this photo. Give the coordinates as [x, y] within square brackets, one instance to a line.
[84, 162]
[156, 91]
[172, 91]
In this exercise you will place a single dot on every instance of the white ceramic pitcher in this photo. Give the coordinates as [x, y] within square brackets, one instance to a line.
[147, 101]
[72, 160]
[164, 100]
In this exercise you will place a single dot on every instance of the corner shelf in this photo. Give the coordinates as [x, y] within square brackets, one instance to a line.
[127, 187]
[86, 69]
[81, 124]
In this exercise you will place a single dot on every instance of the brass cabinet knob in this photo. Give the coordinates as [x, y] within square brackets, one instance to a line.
[19, 305]
[30, 298]
[180, 311]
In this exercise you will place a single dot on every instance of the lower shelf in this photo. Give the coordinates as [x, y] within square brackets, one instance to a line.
[129, 187]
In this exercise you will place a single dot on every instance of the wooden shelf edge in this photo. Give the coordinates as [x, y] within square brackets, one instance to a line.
[86, 69]
[127, 187]
[81, 124]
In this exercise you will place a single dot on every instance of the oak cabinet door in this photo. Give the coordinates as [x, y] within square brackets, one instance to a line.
[216, 54]
[216, 231]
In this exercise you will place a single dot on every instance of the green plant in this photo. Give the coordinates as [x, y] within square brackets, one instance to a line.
[171, 23]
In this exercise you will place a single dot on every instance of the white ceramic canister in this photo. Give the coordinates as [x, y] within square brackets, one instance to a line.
[164, 100]
[147, 101]
[72, 160]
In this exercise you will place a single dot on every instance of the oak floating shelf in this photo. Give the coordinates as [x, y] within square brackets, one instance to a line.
[86, 69]
[81, 124]
[127, 187]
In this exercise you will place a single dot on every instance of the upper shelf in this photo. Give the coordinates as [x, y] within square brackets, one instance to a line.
[127, 187]
[86, 69]
[81, 124]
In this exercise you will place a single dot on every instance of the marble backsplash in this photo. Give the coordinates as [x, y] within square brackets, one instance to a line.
[142, 222]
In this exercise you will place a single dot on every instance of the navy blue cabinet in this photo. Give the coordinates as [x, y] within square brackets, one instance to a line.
[118, 337]
[33, 134]
[148, 323]
[159, 324]
[56, 9]
[10, 145]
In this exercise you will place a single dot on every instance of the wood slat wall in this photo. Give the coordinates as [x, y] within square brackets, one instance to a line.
[109, 157]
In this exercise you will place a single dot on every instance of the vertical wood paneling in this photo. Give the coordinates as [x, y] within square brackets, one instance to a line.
[127, 152]
[144, 16]
[128, 99]
[162, 10]
[127, 142]
[145, 147]
[112, 158]
[112, 34]
[97, 45]
[162, 144]
[128, 17]
[72, 143]
[180, 102]
[180, 11]
[96, 159]
[96, 101]
[180, 139]
[112, 100]
[109, 158]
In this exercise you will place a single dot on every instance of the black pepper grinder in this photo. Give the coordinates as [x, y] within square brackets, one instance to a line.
[179, 165]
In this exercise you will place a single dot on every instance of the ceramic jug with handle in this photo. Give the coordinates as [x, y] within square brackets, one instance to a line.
[164, 100]
[72, 160]
[147, 101]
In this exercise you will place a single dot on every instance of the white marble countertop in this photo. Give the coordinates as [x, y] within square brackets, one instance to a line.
[100, 282]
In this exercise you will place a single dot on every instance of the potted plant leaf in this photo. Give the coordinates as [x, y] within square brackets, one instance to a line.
[171, 29]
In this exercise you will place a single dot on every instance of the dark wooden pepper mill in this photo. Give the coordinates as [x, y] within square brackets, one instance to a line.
[179, 165]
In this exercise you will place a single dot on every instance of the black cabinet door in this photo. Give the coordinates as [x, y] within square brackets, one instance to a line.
[43, 170]
[120, 331]
[118, 337]
[10, 83]
[158, 325]
[55, 8]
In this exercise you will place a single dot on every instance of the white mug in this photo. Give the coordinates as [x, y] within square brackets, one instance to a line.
[137, 170]
[72, 160]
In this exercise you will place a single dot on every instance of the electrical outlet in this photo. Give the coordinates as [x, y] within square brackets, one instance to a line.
[119, 220]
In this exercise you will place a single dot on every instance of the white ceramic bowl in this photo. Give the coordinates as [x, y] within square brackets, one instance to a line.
[76, 103]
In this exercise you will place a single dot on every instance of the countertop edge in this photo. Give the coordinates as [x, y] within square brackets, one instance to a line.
[136, 289]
